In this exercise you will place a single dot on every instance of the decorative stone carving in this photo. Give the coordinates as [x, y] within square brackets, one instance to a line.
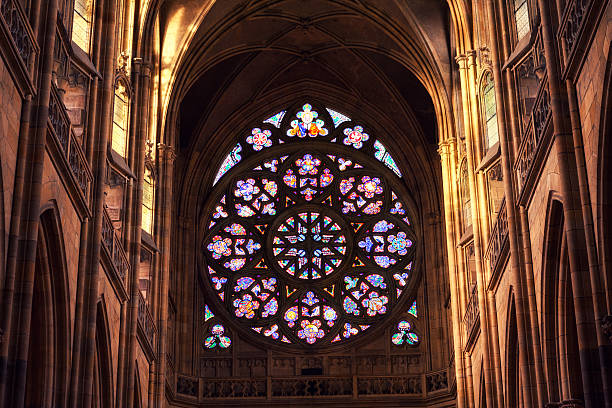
[437, 381]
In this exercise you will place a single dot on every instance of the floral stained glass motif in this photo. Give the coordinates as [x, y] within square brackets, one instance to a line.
[255, 297]
[404, 335]
[307, 124]
[362, 196]
[309, 245]
[217, 338]
[255, 197]
[337, 117]
[259, 139]
[369, 291]
[233, 246]
[304, 247]
[230, 161]
[309, 176]
[355, 137]
[385, 243]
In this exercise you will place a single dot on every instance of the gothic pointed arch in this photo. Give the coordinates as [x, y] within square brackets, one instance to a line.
[562, 358]
[604, 190]
[103, 374]
[48, 351]
[513, 382]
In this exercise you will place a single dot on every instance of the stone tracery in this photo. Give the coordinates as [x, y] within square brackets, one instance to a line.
[306, 247]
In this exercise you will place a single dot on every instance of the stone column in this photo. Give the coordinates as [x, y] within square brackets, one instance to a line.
[166, 159]
[476, 224]
[17, 324]
[445, 146]
[574, 225]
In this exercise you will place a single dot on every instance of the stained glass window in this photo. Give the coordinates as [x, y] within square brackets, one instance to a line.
[492, 135]
[413, 309]
[216, 335]
[147, 201]
[337, 117]
[308, 240]
[404, 335]
[81, 24]
[120, 119]
[521, 18]
[230, 161]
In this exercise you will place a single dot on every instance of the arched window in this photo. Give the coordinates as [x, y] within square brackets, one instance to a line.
[466, 201]
[521, 18]
[120, 118]
[309, 238]
[148, 192]
[490, 112]
[82, 24]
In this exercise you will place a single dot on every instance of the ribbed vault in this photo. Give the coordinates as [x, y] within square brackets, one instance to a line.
[244, 61]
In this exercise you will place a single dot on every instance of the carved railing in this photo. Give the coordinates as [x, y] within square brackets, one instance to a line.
[114, 248]
[499, 236]
[573, 403]
[16, 23]
[312, 387]
[572, 23]
[145, 321]
[70, 148]
[235, 388]
[472, 312]
[437, 381]
[534, 133]
[381, 385]
[309, 387]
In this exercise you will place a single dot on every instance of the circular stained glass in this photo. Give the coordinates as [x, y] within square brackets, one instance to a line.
[309, 244]
[308, 241]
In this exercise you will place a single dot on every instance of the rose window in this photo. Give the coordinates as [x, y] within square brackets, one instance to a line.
[309, 245]
[308, 237]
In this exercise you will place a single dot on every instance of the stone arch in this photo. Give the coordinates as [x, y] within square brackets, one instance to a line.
[512, 356]
[48, 351]
[482, 388]
[103, 373]
[3, 226]
[137, 402]
[560, 344]
[604, 183]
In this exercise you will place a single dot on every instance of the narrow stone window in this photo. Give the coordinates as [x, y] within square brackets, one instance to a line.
[521, 18]
[147, 201]
[120, 120]
[490, 111]
[465, 198]
[82, 24]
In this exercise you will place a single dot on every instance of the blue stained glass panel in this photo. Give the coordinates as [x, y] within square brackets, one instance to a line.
[230, 161]
[337, 117]
[413, 309]
[385, 157]
[276, 119]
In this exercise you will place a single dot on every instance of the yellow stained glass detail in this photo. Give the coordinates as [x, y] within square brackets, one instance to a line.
[147, 202]
[120, 121]
[81, 24]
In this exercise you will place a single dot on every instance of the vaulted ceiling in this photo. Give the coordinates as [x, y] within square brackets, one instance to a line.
[362, 54]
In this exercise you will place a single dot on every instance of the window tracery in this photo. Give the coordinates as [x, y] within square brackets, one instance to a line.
[308, 240]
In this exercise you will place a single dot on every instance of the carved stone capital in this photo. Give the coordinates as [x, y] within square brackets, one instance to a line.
[606, 325]
[461, 60]
[167, 152]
